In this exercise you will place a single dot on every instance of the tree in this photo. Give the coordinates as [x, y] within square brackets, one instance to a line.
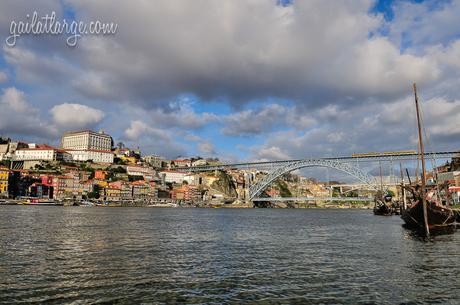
[120, 145]
[119, 161]
[95, 194]
[390, 193]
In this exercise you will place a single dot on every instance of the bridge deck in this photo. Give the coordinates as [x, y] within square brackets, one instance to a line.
[363, 199]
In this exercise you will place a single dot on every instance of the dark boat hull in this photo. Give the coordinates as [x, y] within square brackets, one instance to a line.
[439, 218]
[383, 210]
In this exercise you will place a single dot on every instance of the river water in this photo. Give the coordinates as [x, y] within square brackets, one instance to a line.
[220, 256]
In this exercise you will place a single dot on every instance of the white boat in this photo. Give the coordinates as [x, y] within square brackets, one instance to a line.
[163, 205]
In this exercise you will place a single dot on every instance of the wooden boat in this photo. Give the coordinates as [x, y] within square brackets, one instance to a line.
[382, 209]
[440, 218]
[423, 215]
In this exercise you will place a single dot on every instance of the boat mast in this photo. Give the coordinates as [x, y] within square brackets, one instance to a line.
[403, 188]
[422, 155]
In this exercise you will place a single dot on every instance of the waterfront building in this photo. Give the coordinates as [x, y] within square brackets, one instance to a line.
[122, 189]
[112, 193]
[4, 176]
[86, 187]
[64, 187]
[141, 190]
[41, 152]
[186, 193]
[97, 156]
[87, 140]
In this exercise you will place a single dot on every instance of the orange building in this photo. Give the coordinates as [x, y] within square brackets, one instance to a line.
[100, 175]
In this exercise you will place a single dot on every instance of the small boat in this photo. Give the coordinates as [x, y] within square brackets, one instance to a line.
[85, 204]
[382, 209]
[40, 202]
[382, 203]
[163, 205]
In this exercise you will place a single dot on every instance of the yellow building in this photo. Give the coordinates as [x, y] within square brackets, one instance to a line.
[4, 173]
[131, 160]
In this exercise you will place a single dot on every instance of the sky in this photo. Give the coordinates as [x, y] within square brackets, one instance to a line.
[237, 80]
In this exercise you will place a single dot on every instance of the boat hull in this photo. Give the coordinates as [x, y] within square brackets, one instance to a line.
[439, 218]
[383, 210]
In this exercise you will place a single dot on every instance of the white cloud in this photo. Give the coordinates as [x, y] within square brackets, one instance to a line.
[76, 116]
[19, 117]
[159, 141]
[3, 76]
[252, 50]
[349, 84]
[15, 100]
[180, 115]
[372, 127]
[139, 128]
[36, 68]
[206, 148]
[429, 22]
[264, 119]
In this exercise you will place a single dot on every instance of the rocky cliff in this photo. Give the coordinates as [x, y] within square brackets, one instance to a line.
[224, 185]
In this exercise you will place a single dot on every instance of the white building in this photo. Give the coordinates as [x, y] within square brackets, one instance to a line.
[86, 140]
[199, 162]
[7, 150]
[88, 145]
[192, 179]
[173, 176]
[97, 156]
[154, 161]
[145, 172]
[41, 153]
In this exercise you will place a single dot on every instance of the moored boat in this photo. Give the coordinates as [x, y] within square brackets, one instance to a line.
[382, 209]
[42, 202]
[440, 218]
[424, 215]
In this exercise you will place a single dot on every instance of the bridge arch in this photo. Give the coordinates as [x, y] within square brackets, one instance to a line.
[354, 171]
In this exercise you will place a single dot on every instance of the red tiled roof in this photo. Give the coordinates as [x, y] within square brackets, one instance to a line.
[43, 147]
[138, 182]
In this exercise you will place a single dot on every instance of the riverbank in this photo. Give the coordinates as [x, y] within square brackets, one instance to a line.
[174, 204]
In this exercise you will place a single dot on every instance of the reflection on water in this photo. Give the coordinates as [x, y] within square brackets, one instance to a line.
[261, 256]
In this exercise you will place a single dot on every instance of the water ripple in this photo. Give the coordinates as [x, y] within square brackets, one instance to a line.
[208, 256]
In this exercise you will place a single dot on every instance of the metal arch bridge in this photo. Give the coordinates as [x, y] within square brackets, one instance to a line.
[278, 168]
[354, 171]
[343, 159]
